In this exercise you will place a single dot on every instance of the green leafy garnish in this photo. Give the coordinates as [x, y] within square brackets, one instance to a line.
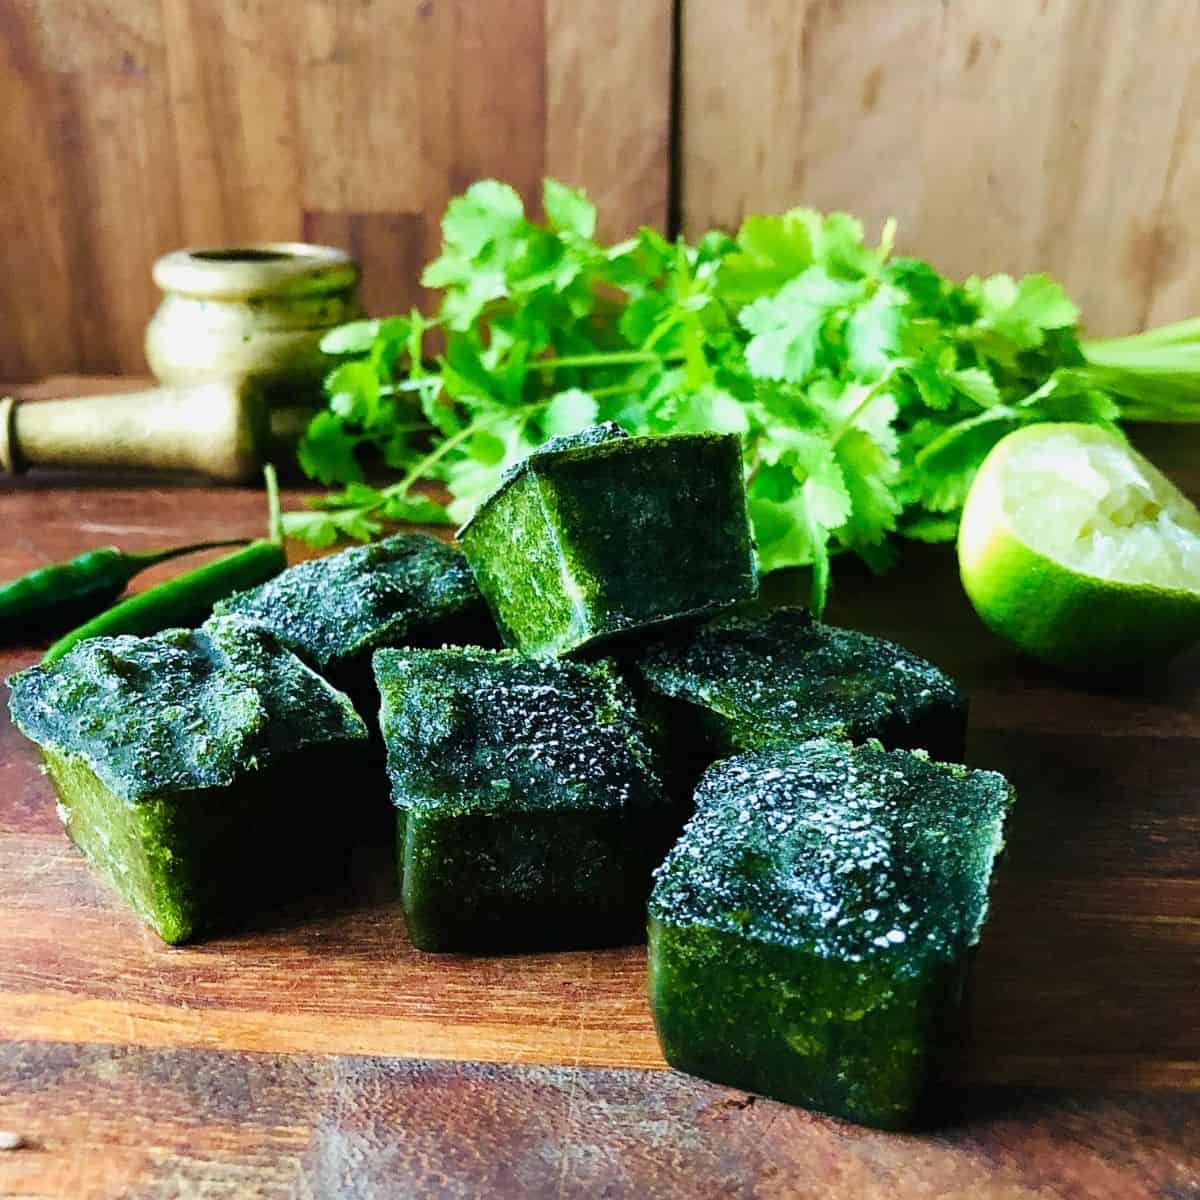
[867, 388]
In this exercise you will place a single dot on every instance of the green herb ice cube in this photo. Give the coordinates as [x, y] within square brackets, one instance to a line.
[810, 931]
[530, 813]
[749, 680]
[194, 768]
[334, 612]
[601, 534]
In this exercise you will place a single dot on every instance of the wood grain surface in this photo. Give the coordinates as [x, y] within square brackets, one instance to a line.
[131, 127]
[1035, 135]
[1026, 136]
[104, 1122]
[124, 1062]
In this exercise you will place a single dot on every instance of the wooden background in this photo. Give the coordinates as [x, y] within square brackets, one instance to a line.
[1061, 135]
[1028, 135]
[131, 127]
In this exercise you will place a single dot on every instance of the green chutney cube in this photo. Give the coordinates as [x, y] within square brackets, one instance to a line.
[600, 534]
[530, 812]
[195, 769]
[336, 611]
[810, 932]
[748, 680]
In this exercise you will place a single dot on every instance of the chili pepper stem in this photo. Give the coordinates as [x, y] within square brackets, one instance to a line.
[150, 558]
[185, 600]
[188, 598]
[274, 516]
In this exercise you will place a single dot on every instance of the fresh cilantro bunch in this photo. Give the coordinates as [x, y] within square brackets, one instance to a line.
[866, 387]
[528, 311]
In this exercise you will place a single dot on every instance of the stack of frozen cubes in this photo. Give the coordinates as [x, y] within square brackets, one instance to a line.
[812, 924]
[779, 796]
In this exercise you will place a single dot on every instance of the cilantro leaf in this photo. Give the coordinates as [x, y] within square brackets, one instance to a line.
[415, 510]
[568, 210]
[921, 283]
[710, 409]
[948, 463]
[321, 529]
[1067, 397]
[489, 213]
[355, 337]
[327, 452]
[869, 472]
[569, 412]
[873, 334]
[932, 385]
[643, 316]
[353, 391]
[470, 286]
[838, 244]
[353, 495]
[795, 502]
[1022, 312]
[976, 385]
[770, 252]
[930, 527]
[787, 327]
[822, 486]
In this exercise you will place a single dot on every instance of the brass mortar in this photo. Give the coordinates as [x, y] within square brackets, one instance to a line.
[236, 346]
[256, 311]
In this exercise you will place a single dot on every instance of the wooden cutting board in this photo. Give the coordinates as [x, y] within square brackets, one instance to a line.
[319, 1051]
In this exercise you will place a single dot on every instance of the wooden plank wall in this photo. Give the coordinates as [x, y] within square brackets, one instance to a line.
[131, 127]
[1061, 135]
[1057, 135]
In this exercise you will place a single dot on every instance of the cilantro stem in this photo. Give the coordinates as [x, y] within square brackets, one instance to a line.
[421, 468]
[435, 455]
[617, 389]
[615, 358]
[873, 393]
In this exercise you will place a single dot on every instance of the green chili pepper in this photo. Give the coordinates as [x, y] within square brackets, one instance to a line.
[188, 599]
[59, 595]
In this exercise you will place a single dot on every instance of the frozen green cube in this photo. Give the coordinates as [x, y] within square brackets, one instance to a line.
[810, 931]
[752, 679]
[530, 813]
[601, 534]
[195, 769]
[336, 611]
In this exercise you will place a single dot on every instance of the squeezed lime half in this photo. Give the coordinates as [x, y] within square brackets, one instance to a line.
[1080, 552]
